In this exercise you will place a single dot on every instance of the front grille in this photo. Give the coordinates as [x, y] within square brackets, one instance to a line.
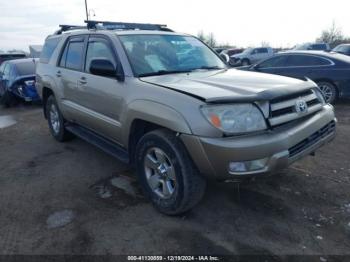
[313, 139]
[284, 109]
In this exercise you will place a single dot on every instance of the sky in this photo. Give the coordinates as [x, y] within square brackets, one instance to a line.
[238, 22]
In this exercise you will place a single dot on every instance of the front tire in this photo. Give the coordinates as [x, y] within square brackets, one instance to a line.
[167, 174]
[56, 121]
[329, 91]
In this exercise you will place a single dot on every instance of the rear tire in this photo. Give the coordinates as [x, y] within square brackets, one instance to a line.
[329, 91]
[56, 121]
[167, 174]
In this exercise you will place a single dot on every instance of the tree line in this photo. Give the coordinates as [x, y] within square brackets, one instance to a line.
[332, 36]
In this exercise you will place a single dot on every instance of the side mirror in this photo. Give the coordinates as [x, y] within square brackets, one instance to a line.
[225, 58]
[103, 67]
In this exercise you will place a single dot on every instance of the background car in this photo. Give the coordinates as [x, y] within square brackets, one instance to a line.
[17, 81]
[233, 51]
[330, 71]
[219, 49]
[313, 46]
[342, 49]
[10, 56]
[251, 56]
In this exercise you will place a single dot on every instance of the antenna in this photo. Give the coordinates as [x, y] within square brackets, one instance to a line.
[86, 10]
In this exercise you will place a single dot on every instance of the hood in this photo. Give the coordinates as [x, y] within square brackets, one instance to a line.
[230, 85]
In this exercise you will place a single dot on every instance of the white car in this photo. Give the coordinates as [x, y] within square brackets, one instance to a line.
[251, 56]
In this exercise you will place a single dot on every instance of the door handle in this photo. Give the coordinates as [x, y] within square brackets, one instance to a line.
[82, 80]
[58, 74]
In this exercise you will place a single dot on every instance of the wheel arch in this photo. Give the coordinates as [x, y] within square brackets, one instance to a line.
[46, 92]
[324, 79]
[144, 116]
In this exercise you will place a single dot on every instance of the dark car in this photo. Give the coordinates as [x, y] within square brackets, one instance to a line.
[11, 56]
[342, 49]
[17, 81]
[330, 71]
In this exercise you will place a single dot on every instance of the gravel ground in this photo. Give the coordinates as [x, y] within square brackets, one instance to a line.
[71, 198]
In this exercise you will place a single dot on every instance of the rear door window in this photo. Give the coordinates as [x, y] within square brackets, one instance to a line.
[277, 61]
[262, 50]
[73, 55]
[307, 60]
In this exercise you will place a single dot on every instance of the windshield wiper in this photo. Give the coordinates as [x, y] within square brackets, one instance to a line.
[164, 72]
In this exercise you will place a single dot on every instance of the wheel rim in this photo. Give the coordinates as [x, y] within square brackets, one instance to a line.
[54, 119]
[160, 173]
[327, 91]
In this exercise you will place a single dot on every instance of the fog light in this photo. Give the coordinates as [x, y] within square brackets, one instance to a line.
[247, 166]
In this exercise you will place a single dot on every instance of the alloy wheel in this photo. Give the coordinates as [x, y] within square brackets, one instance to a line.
[160, 173]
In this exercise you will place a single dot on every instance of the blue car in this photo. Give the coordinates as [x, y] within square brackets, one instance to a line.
[17, 82]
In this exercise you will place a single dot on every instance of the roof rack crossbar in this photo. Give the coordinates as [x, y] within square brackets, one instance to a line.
[107, 25]
[92, 24]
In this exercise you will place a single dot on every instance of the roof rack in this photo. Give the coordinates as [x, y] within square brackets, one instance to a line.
[64, 28]
[107, 25]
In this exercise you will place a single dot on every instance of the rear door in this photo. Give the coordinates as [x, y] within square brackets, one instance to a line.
[68, 73]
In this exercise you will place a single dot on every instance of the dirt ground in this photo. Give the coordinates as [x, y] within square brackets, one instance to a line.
[72, 198]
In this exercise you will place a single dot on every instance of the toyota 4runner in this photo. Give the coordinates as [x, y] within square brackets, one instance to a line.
[167, 104]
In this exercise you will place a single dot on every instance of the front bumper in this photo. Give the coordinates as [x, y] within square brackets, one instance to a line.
[281, 146]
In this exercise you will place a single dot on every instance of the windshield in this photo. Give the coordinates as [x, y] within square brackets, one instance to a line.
[301, 47]
[248, 50]
[165, 54]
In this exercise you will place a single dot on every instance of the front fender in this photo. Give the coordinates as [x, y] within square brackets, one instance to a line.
[153, 112]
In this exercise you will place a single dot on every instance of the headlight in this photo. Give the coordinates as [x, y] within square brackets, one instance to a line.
[235, 119]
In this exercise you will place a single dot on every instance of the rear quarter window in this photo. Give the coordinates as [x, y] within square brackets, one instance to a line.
[48, 49]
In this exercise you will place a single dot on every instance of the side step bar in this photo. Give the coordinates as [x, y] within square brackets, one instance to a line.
[104, 144]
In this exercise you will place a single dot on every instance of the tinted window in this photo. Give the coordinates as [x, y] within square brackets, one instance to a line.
[48, 49]
[306, 60]
[27, 68]
[262, 50]
[74, 55]
[277, 61]
[98, 49]
[319, 47]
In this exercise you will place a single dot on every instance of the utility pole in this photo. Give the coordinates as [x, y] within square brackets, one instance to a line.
[86, 10]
